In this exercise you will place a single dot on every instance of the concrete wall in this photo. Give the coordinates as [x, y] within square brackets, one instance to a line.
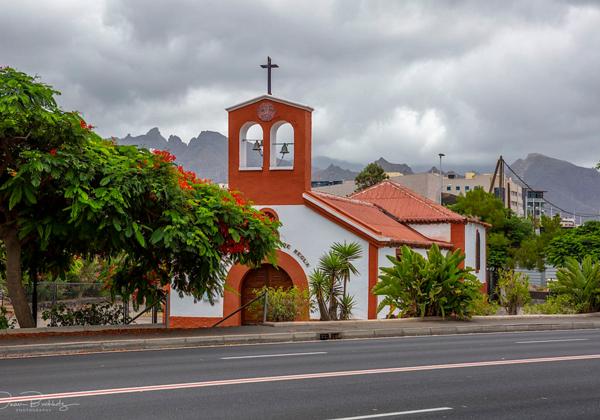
[439, 231]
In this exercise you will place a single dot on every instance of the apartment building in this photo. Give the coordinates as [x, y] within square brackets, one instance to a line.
[429, 185]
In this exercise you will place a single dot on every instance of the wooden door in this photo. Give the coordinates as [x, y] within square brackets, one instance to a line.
[268, 276]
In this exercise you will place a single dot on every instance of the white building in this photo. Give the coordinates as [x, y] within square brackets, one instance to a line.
[380, 219]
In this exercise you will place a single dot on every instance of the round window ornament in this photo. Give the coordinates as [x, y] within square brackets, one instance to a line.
[266, 111]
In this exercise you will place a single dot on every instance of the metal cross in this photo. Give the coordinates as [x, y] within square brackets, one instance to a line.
[269, 66]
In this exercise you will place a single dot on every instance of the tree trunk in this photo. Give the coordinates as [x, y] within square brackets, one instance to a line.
[14, 280]
[322, 308]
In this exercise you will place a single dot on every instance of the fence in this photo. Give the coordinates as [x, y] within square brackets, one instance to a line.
[76, 298]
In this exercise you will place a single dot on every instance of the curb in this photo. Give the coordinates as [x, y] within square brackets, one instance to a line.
[82, 347]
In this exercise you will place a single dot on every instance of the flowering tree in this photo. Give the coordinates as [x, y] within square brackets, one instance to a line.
[64, 191]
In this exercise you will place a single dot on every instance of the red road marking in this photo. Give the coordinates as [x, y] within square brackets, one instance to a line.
[112, 391]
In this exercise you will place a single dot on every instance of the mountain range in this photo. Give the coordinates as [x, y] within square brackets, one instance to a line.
[570, 187]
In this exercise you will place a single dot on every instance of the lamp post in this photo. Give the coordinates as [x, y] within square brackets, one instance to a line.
[441, 155]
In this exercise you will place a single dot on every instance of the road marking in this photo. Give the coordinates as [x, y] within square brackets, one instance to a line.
[204, 384]
[273, 355]
[64, 353]
[563, 340]
[397, 413]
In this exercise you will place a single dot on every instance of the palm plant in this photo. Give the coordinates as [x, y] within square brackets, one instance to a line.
[319, 288]
[328, 283]
[332, 266]
[436, 286]
[348, 252]
[580, 283]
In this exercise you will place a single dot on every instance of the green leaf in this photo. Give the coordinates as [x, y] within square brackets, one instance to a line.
[15, 197]
[157, 236]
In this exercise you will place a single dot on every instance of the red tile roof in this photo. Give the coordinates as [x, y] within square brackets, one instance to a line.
[407, 206]
[369, 217]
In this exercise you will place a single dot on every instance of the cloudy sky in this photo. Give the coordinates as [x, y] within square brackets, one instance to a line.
[404, 80]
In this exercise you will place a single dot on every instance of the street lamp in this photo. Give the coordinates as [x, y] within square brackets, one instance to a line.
[441, 155]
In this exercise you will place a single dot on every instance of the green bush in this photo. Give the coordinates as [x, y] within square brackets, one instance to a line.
[579, 283]
[95, 314]
[560, 304]
[436, 286]
[483, 306]
[5, 322]
[282, 304]
[513, 290]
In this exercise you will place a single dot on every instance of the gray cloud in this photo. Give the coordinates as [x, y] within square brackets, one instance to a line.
[404, 80]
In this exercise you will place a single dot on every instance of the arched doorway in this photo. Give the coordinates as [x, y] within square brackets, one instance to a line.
[265, 275]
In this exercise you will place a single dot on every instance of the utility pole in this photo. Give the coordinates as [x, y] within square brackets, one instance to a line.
[441, 155]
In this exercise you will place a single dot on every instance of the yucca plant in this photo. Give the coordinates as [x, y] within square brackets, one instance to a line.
[513, 290]
[328, 283]
[319, 289]
[347, 252]
[432, 286]
[347, 304]
[580, 283]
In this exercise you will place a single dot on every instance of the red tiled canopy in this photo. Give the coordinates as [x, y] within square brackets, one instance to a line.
[407, 206]
[371, 218]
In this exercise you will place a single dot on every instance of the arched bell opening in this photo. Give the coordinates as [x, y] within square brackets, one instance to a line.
[282, 146]
[251, 146]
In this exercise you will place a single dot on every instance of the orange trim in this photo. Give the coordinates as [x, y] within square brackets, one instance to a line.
[232, 299]
[349, 216]
[192, 321]
[373, 277]
[457, 237]
[341, 223]
[268, 211]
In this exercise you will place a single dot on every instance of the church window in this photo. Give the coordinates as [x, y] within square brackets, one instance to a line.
[282, 146]
[477, 252]
[251, 146]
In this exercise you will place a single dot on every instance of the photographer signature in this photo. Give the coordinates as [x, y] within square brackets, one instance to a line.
[34, 405]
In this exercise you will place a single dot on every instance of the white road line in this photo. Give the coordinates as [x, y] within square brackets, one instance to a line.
[257, 356]
[266, 379]
[397, 413]
[552, 341]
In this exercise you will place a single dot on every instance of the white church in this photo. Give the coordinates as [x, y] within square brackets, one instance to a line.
[273, 171]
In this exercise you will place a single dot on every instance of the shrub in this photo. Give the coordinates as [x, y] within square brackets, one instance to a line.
[483, 306]
[579, 283]
[95, 314]
[436, 286]
[513, 290]
[282, 304]
[559, 304]
[5, 321]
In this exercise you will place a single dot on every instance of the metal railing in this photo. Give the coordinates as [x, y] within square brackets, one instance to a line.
[241, 308]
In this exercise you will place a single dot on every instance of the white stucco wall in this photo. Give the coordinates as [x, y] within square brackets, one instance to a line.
[470, 252]
[311, 235]
[439, 231]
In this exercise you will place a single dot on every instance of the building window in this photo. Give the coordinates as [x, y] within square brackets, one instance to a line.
[449, 188]
[477, 252]
[467, 188]
[458, 188]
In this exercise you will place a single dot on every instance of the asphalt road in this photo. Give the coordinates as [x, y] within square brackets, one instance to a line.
[511, 375]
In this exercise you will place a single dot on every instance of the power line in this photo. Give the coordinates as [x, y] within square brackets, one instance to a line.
[545, 199]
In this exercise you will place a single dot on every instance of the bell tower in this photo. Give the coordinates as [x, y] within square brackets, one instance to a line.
[270, 150]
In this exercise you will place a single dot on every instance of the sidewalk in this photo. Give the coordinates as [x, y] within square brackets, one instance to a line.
[68, 340]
